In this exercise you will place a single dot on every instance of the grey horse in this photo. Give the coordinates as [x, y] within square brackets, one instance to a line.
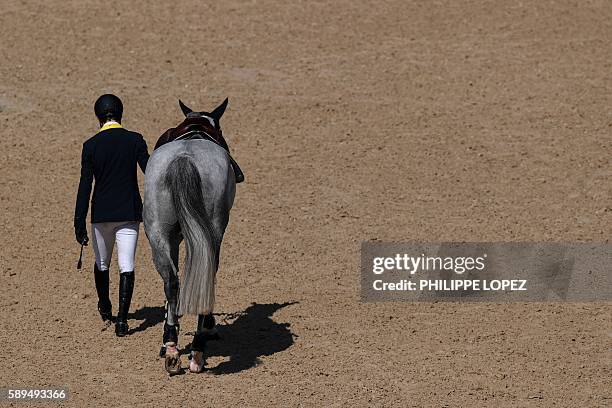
[189, 191]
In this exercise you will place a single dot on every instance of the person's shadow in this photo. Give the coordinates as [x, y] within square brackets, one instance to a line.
[151, 316]
[253, 334]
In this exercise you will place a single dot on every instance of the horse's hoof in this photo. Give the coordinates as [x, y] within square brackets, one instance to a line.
[173, 360]
[196, 364]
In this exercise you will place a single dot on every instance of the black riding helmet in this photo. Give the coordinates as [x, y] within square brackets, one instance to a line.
[108, 106]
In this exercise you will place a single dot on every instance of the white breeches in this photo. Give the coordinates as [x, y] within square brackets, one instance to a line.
[104, 236]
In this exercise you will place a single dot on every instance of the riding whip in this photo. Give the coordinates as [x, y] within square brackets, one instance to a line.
[80, 262]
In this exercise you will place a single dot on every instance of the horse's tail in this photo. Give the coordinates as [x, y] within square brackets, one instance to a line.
[197, 293]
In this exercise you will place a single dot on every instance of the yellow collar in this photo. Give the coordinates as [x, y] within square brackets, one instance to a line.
[110, 125]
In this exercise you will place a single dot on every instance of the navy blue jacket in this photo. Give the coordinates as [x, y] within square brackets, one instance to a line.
[110, 157]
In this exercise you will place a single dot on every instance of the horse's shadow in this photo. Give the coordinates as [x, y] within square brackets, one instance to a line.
[253, 334]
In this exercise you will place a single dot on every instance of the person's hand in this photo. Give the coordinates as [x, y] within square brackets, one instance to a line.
[81, 235]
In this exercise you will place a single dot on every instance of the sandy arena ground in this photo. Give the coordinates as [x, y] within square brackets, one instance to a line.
[425, 121]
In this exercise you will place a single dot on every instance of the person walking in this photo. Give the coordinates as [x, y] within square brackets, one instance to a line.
[110, 157]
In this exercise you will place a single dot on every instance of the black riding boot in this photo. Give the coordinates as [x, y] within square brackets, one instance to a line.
[105, 307]
[126, 288]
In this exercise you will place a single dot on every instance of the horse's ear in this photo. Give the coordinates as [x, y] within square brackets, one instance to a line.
[219, 110]
[184, 108]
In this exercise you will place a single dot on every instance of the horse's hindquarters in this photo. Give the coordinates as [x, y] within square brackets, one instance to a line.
[189, 191]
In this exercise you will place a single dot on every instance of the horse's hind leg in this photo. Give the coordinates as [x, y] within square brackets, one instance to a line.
[165, 245]
[206, 323]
